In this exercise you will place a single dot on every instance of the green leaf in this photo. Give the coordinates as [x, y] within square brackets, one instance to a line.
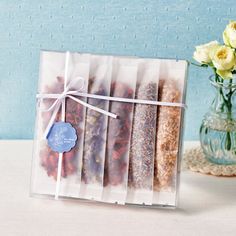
[228, 141]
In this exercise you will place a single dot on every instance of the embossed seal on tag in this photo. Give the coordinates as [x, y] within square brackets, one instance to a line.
[61, 137]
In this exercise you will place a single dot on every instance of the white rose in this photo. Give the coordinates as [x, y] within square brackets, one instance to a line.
[229, 34]
[203, 52]
[224, 61]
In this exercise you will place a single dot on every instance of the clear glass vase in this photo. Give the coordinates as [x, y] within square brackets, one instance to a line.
[218, 128]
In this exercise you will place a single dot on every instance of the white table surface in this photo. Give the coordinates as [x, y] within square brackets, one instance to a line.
[207, 206]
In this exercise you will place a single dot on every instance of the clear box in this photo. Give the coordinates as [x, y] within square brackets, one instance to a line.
[133, 159]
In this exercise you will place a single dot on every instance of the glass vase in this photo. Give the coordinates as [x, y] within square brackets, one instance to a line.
[218, 128]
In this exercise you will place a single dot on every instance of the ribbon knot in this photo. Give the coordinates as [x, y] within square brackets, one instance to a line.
[71, 90]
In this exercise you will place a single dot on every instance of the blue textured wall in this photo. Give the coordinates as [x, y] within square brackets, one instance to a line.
[156, 28]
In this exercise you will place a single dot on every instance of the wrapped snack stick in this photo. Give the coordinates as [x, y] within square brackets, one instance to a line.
[124, 78]
[168, 124]
[96, 128]
[168, 131]
[142, 150]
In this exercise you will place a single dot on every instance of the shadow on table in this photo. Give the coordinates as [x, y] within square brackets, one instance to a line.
[198, 194]
[204, 193]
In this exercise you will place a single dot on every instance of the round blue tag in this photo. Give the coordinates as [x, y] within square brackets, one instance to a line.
[61, 137]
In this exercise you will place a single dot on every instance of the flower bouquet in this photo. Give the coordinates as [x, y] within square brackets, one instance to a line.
[218, 129]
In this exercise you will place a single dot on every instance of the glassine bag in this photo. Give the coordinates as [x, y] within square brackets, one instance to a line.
[142, 148]
[45, 159]
[96, 128]
[124, 76]
[169, 131]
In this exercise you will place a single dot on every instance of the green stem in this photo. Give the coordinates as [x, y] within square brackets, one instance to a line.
[201, 65]
[219, 80]
[227, 103]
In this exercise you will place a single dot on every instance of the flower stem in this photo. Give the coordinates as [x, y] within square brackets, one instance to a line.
[226, 106]
[198, 65]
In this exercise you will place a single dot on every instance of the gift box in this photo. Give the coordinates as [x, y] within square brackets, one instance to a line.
[109, 128]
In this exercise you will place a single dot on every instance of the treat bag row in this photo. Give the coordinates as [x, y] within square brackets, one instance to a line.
[131, 159]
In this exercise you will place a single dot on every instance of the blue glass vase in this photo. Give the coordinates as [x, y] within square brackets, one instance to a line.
[218, 128]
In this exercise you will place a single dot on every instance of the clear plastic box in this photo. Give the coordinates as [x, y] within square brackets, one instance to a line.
[120, 168]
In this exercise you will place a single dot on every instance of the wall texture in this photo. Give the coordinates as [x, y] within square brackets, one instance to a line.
[154, 28]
